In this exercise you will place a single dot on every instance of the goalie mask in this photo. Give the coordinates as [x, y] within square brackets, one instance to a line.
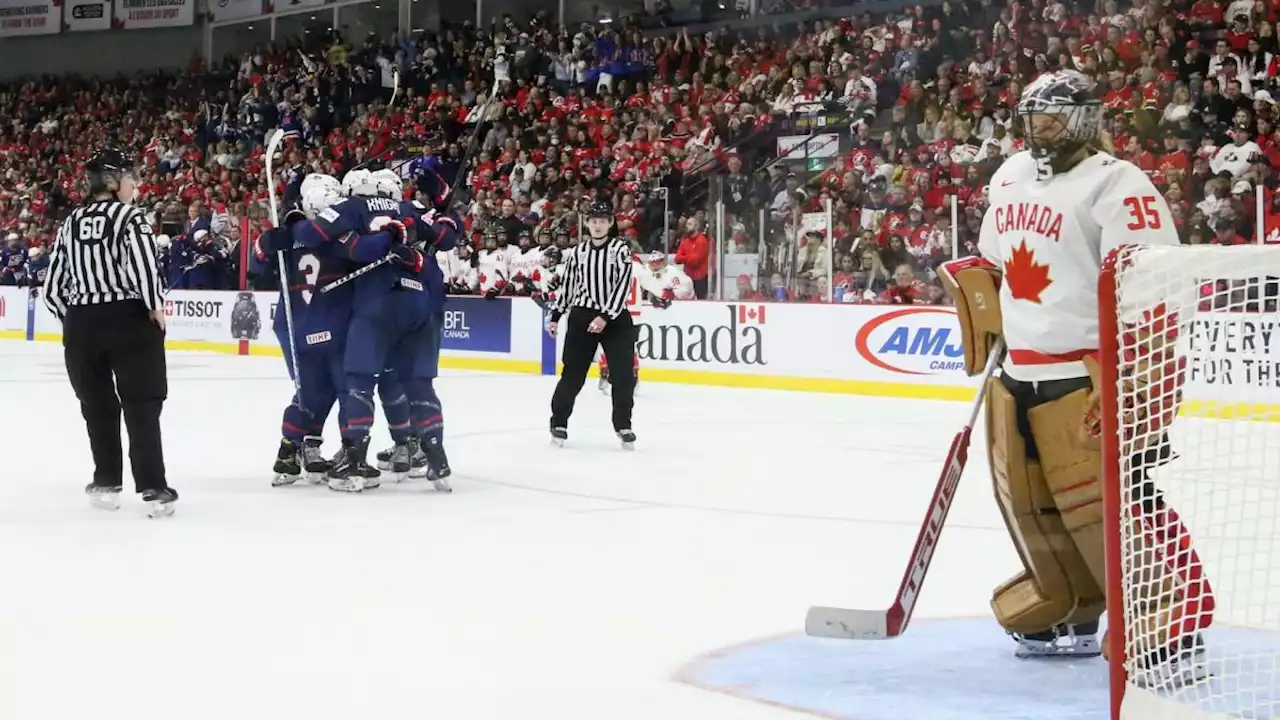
[1059, 114]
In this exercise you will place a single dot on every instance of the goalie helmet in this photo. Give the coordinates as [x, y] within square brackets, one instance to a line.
[358, 183]
[387, 183]
[1059, 113]
[319, 191]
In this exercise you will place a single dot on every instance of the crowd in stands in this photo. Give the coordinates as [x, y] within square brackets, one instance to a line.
[667, 126]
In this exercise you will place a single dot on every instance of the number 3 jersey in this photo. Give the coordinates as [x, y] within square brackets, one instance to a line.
[1049, 237]
[320, 320]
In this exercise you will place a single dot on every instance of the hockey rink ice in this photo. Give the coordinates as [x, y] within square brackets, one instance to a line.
[584, 583]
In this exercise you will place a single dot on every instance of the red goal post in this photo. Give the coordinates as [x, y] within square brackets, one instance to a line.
[1190, 402]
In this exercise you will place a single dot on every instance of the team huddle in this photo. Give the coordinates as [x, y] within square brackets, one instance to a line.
[362, 307]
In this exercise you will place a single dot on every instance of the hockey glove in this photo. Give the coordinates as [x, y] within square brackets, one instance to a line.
[399, 230]
[661, 303]
[408, 258]
[271, 242]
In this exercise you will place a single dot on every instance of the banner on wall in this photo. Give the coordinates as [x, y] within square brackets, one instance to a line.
[477, 325]
[85, 15]
[143, 14]
[285, 5]
[223, 10]
[29, 17]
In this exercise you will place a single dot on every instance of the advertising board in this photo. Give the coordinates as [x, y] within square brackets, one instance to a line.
[477, 325]
[29, 17]
[140, 14]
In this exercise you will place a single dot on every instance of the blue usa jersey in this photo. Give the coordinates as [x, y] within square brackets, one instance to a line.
[349, 223]
[320, 320]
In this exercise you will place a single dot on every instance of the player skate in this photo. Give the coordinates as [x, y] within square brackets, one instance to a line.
[628, 439]
[438, 470]
[103, 497]
[559, 435]
[288, 467]
[313, 462]
[160, 502]
[1078, 641]
[350, 472]
[404, 460]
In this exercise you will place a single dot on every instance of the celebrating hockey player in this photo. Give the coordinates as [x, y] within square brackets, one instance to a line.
[319, 324]
[396, 319]
[1057, 211]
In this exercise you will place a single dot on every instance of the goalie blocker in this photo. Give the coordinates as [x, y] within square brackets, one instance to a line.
[1046, 464]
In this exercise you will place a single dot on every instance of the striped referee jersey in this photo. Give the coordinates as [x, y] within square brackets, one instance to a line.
[104, 252]
[595, 277]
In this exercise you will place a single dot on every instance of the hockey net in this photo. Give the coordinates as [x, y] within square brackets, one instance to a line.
[1190, 356]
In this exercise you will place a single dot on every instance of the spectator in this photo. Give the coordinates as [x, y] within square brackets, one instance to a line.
[694, 255]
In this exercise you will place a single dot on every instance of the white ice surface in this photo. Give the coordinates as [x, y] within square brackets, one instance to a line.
[567, 584]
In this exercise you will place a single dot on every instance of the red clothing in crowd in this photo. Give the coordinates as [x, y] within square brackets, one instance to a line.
[693, 253]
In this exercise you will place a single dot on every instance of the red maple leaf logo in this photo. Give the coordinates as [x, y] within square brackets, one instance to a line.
[1026, 278]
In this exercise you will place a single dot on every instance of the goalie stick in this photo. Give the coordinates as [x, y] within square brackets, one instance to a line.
[273, 145]
[453, 189]
[850, 624]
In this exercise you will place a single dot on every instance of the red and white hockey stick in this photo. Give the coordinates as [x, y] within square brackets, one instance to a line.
[883, 624]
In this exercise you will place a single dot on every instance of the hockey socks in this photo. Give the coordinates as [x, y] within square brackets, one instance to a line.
[358, 404]
[299, 422]
[424, 408]
[395, 405]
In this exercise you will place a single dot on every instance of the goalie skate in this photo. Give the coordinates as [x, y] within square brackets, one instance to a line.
[1064, 643]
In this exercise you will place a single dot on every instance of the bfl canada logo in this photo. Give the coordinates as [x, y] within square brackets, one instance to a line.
[738, 341]
[913, 341]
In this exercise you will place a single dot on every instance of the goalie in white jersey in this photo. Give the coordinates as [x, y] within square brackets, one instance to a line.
[1057, 211]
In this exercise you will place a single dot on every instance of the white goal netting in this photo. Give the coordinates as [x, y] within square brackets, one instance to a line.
[1196, 356]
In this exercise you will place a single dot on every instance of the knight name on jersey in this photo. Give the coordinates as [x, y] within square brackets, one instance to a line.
[1029, 217]
[383, 205]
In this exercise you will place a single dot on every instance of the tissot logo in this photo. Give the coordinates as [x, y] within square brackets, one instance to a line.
[739, 341]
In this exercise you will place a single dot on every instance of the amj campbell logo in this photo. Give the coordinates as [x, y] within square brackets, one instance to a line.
[913, 341]
[738, 341]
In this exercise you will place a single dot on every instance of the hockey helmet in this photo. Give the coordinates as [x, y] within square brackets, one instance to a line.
[1059, 113]
[657, 260]
[387, 183]
[319, 191]
[358, 183]
[600, 209]
[108, 165]
[551, 256]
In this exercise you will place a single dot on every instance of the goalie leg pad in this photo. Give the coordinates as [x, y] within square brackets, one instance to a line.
[1055, 586]
[1073, 474]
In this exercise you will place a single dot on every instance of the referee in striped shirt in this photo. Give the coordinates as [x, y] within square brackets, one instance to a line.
[596, 282]
[104, 286]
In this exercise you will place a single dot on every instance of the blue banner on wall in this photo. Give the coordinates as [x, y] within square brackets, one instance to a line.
[477, 325]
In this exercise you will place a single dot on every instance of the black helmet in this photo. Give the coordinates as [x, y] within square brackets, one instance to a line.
[107, 164]
[600, 209]
[109, 159]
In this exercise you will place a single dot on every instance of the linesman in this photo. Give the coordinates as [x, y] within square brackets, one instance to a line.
[104, 286]
[597, 280]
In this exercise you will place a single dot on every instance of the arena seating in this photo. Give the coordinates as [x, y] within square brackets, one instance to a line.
[673, 126]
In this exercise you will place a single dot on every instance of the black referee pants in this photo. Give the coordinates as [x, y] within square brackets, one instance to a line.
[115, 359]
[619, 342]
